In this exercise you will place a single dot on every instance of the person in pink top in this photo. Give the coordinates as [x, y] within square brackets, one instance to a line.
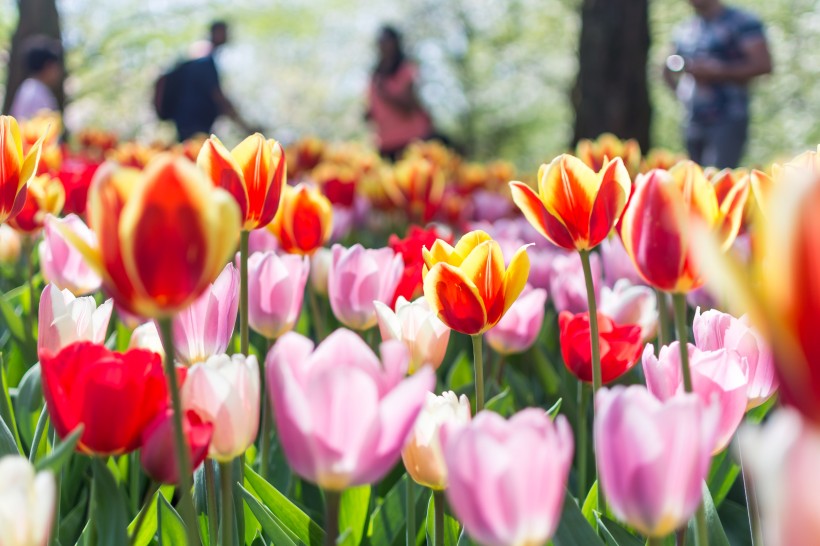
[394, 109]
[44, 67]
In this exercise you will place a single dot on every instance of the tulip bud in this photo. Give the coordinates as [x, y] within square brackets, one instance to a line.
[27, 502]
[304, 221]
[64, 319]
[517, 331]
[276, 288]
[158, 442]
[319, 269]
[424, 335]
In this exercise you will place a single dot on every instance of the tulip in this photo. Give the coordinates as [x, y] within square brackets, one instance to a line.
[358, 277]
[204, 328]
[620, 346]
[653, 456]
[628, 304]
[660, 158]
[276, 288]
[469, 286]
[75, 175]
[319, 269]
[517, 331]
[146, 336]
[616, 263]
[44, 128]
[44, 195]
[262, 240]
[417, 185]
[410, 248]
[27, 502]
[567, 284]
[158, 442]
[225, 391]
[163, 234]
[61, 263]
[575, 207]
[15, 169]
[717, 377]
[254, 173]
[342, 414]
[414, 324]
[422, 455]
[10, 245]
[492, 466]
[304, 221]
[64, 319]
[115, 395]
[595, 153]
[715, 330]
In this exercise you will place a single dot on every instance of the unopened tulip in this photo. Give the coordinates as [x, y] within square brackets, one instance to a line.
[164, 234]
[146, 336]
[342, 414]
[595, 153]
[517, 331]
[114, 395]
[422, 456]
[568, 290]
[158, 442]
[576, 207]
[492, 467]
[225, 391]
[304, 221]
[15, 169]
[718, 377]
[64, 319]
[276, 288]
[625, 303]
[653, 456]
[204, 328]
[469, 286]
[254, 173]
[10, 245]
[357, 277]
[44, 195]
[319, 269]
[61, 263]
[27, 502]
[414, 324]
[620, 346]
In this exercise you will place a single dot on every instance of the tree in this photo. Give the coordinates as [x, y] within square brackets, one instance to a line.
[36, 17]
[611, 92]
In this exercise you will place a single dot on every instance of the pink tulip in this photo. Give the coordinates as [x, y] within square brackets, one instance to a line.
[60, 261]
[507, 478]
[617, 263]
[64, 319]
[567, 286]
[158, 442]
[418, 327]
[491, 206]
[631, 304]
[205, 328]
[540, 264]
[358, 277]
[262, 240]
[715, 330]
[225, 391]
[341, 414]
[343, 219]
[653, 455]
[276, 288]
[717, 377]
[10, 245]
[518, 329]
[781, 456]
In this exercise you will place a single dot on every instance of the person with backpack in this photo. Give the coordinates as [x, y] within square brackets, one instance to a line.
[190, 94]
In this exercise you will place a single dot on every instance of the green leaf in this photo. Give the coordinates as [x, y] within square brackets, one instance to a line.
[38, 435]
[452, 528]
[616, 535]
[290, 515]
[353, 511]
[388, 520]
[149, 525]
[502, 403]
[722, 476]
[555, 408]
[591, 505]
[7, 444]
[461, 373]
[270, 526]
[110, 512]
[6, 409]
[12, 319]
[28, 403]
[574, 529]
[171, 527]
[717, 537]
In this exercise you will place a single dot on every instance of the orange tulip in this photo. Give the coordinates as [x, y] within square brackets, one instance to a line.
[304, 221]
[45, 128]
[164, 234]
[417, 186]
[732, 193]
[15, 168]
[44, 195]
[468, 286]
[254, 172]
[655, 225]
[660, 158]
[596, 153]
[575, 207]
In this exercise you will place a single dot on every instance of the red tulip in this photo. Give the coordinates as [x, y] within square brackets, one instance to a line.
[410, 247]
[158, 442]
[620, 346]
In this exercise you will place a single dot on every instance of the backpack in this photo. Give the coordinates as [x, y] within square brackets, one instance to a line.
[166, 92]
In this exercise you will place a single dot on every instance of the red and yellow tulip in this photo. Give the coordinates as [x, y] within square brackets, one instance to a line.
[16, 169]
[417, 187]
[44, 195]
[304, 221]
[254, 172]
[164, 234]
[596, 153]
[575, 207]
[468, 286]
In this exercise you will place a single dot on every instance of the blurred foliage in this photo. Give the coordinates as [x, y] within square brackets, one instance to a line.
[496, 75]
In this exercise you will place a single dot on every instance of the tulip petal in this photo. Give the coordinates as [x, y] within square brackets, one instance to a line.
[515, 278]
[224, 171]
[455, 299]
[609, 202]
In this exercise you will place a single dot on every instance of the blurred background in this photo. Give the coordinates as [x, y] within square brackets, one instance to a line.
[498, 76]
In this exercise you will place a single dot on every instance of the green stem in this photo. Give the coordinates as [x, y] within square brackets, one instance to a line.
[29, 318]
[213, 511]
[243, 292]
[582, 433]
[411, 512]
[315, 313]
[332, 500]
[226, 528]
[751, 501]
[681, 324]
[134, 481]
[153, 487]
[701, 536]
[180, 445]
[58, 482]
[663, 318]
[438, 507]
[264, 438]
[478, 364]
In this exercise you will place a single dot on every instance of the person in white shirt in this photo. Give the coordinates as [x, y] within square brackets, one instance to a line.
[44, 66]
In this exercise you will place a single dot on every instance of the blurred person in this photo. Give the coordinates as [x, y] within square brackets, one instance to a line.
[43, 59]
[191, 94]
[393, 108]
[718, 52]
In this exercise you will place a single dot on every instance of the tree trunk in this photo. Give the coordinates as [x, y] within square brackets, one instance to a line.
[36, 17]
[610, 93]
